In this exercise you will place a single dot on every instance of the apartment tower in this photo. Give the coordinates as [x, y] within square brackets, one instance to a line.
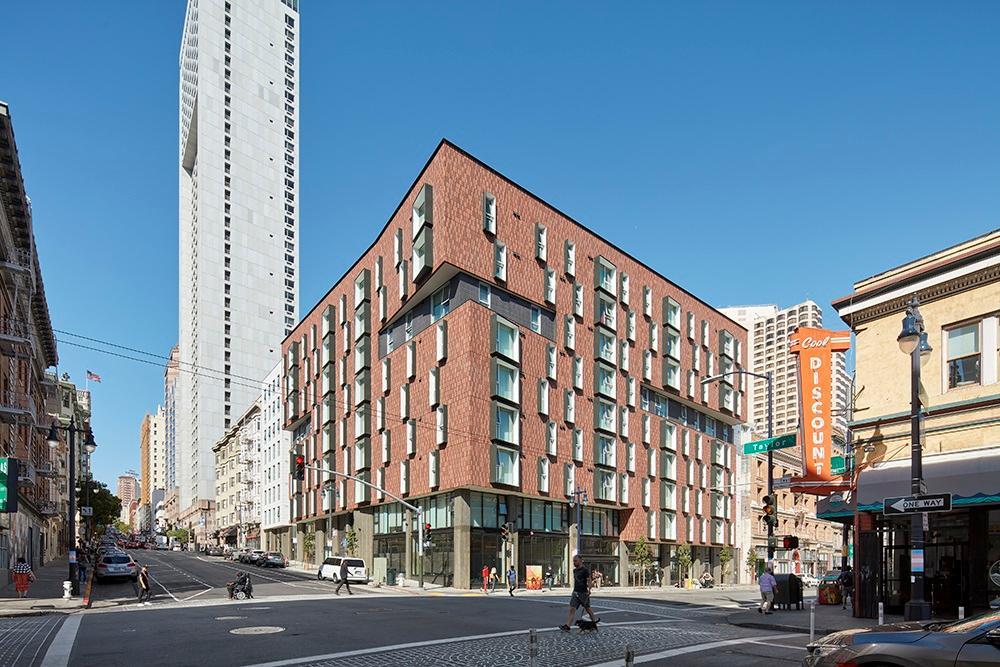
[238, 171]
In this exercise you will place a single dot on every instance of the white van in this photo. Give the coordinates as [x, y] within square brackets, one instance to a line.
[357, 572]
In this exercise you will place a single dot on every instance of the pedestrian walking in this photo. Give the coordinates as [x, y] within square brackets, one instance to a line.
[511, 580]
[548, 576]
[486, 577]
[145, 590]
[580, 597]
[768, 587]
[846, 581]
[343, 578]
[23, 576]
[494, 579]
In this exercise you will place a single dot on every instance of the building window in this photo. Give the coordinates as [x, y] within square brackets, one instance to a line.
[440, 303]
[541, 242]
[536, 319]
[505, 466]
[500, 261]
[489, 213]
[485, 296]
[505, 340]
[964, 355]
[505, 424]
[505, 382]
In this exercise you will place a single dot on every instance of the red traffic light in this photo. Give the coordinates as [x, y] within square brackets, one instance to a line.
[790, 542]
[300, 460]
[427, 526]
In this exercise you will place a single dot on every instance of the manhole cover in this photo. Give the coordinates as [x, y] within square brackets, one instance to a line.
[229, 618]
[257, 630]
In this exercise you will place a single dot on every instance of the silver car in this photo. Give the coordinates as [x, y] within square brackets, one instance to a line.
[970, 642]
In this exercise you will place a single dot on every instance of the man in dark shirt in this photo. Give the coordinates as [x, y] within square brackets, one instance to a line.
[580, 597]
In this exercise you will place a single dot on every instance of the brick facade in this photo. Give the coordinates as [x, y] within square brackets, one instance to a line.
[322, 361]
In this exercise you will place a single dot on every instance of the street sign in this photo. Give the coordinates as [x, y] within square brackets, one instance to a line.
[936, 502]
[86, 511]
[769, 444]
[837, 465]
[783, 482]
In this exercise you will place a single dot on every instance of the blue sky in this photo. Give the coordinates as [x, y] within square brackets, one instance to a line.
[754, 152]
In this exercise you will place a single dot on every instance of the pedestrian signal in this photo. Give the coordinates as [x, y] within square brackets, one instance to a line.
[790, 542]
[299, 471]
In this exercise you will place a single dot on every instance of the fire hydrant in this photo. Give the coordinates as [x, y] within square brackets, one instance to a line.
[67, 590]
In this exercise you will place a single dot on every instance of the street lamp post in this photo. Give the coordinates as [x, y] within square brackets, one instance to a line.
[579, 500]
[913, 342]
[770, 434]
[89, 444]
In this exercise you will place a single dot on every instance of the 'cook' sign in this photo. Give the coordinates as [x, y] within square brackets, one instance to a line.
[815, 348]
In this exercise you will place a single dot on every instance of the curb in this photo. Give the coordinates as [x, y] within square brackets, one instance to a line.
[737, 620]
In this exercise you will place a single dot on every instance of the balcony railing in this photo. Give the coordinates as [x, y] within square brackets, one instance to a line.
[17, 407]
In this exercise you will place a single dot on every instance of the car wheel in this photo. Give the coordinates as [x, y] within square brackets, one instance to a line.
[319, 575]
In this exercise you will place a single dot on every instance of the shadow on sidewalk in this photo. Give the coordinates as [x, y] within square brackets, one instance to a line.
[44, 596]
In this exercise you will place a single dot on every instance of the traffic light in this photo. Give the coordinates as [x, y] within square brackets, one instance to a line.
[770, 517]
[299, 471]
[427, 528]
[504, 532]
[790, 542]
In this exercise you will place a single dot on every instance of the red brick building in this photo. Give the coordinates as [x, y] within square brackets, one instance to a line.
[486, 357]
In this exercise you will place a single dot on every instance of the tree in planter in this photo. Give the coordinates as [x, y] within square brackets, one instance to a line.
[683, 557]
[752, 563]
[309, 547]
[182, 535]
[642, 557]
[352, 542]
[724, 557]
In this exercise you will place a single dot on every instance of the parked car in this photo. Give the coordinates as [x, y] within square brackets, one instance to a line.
[237, 555]
[274, 559]
[213, 550]
[970, 641]
[250, 556]
[116, 566]
[356, 570]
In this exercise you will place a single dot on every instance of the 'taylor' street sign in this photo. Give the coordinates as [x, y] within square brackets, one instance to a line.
[937, 502]
[768, 444]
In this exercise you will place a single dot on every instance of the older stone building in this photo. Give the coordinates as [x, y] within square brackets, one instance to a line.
[237, 479]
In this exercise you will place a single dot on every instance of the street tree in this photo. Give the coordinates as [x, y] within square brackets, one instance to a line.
[183, 535]
[683, 558]
[309, 547]
[725, 555]
[352, 542]
[107, 506]
[642, 557]
[751, 562]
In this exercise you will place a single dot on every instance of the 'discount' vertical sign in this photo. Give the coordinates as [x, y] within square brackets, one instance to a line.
[815, 348]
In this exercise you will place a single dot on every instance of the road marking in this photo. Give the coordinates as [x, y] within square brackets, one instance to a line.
[191, 597]
[763, 643]
[297, 583]
[62, 643]
[34, 658]
[435, 642]
[697, 648]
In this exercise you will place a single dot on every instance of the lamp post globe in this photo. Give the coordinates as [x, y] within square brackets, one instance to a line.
[909, 336]
[53, 437]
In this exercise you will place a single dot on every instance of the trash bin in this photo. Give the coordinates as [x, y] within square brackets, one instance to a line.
[390, 576]
[789, 591]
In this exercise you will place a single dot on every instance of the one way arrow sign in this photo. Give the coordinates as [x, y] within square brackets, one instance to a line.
[937, 502]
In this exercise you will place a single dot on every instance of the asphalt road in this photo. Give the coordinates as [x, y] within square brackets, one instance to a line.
[296, 620]
[184, 576]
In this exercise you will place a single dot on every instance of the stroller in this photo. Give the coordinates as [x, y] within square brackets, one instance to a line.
[241, 589]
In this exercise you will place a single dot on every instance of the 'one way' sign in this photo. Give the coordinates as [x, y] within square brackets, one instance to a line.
[937, 502]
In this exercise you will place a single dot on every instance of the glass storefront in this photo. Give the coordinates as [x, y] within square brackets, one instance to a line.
[544, 552]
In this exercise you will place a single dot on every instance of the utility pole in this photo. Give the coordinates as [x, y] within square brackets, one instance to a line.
[770, 463]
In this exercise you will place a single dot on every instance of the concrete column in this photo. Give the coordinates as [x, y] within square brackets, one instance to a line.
[462, 526]
[408, 519]
[623, 560]
[300, 541]
[319, 541]
[364, 528]
[573, 528]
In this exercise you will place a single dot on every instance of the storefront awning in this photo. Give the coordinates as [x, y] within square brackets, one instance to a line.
[972, 477]
[227, 532]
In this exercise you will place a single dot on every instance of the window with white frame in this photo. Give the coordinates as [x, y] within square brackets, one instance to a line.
[411, 437]
[578, 373]
[630, 392]
[543, 397]
[441, 424]
[623, 488]
[668, 496]
[691, 384]
[623, 356]
[411, 360]
[569, 333]
[541, 242]
[630, 457]
[433, 387]
[672, 374]
[551, 357]
[605, 275]
[646, 491]
[705, 333]
[433, 467]
[604, 380]
[550, 286]
[404, 402]
[606, 311]
[623, 422]
[578, 299]
[485, 295]
[578, 445]
[605, 485]
[423, 252]
[672, 313]
[668, 465]
[651, 461]
[505, 340]
[499, 260]
[404, 476]
[647, 301]
[630, 326]
[646, 428]
[668, 436]
[505, 381]
[964, 354]
[440, 303]
[506, 424]
[397, 249]
[569, 406]
[552, 430]
[543, 475]
[569, 256]
[647, 365]
[625, 293]
[690, 324]
[505, 468]
[654, 337]
[569, 479]
[604, 415]
[536, 319]
[441, 341]
[489, 213]
[606, 346]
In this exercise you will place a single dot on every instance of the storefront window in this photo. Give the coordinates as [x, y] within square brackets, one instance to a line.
[487, 510]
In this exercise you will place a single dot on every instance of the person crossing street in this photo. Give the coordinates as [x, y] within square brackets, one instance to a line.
[580, 597]
[343, 578]
[768, 587]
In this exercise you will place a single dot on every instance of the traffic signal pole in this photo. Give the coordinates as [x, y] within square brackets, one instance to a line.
[770, 464]
[410, 506]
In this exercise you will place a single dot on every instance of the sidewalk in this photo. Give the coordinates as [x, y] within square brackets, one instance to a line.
[45, 595]
[829, 618]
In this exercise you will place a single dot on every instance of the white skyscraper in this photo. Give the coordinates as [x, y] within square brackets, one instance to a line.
[238, 159]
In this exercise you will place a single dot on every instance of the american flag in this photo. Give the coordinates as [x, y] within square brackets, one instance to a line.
[93, 377]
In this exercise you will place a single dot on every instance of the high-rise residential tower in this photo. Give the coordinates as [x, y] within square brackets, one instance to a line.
[238, 169]
[170, 420]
